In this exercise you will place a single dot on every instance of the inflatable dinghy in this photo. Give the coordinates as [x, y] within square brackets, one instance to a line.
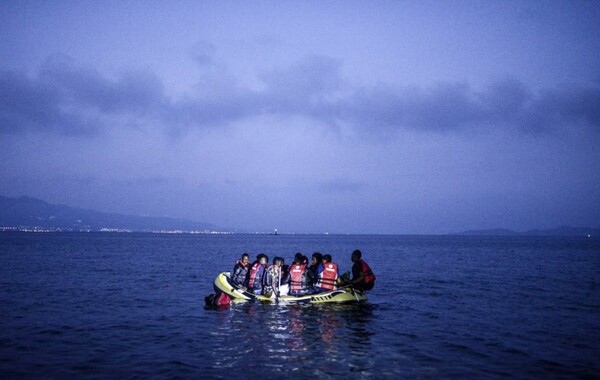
[223, 283]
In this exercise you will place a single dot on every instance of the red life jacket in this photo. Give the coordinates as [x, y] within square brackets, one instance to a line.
[222, 300]
[253, 271]
[328, 276]
[367, 272]
[296, 272]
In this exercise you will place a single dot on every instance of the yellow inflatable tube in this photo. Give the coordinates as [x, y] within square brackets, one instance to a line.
[224, 284]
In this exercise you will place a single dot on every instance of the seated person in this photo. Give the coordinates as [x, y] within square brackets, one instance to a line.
[300, 278]
[273, 278]
[240, 270]
[327, 275]
[362, 275]
[256, 274]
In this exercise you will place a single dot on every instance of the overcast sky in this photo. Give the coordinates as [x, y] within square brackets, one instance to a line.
[318, 116]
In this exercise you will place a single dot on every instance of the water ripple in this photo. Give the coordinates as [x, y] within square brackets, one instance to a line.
[130, 306]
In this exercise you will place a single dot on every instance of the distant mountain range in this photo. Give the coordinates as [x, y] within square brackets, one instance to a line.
[559, 231]
[27, 213]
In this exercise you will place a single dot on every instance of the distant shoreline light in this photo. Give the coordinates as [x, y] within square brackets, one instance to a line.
[110, 230]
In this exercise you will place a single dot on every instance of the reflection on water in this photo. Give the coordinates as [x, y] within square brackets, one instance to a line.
[305, 339]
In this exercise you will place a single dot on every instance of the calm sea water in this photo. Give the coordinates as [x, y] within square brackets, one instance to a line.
[132, 305]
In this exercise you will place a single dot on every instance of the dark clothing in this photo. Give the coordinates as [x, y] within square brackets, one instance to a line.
[256, 277]
[356, 270]
[364, 285]
[285, 274]
[368, 280]
[240, 273]
[312, 274]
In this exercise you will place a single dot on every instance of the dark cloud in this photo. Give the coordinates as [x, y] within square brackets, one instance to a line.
[72, 100]
[447, 107]
[76, 100]
[444, 107]
[131, 92]
[31, 105]
[572, 105]
[504, 101]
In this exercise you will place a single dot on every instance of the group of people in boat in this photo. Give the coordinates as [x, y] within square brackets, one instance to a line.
[301, 277]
